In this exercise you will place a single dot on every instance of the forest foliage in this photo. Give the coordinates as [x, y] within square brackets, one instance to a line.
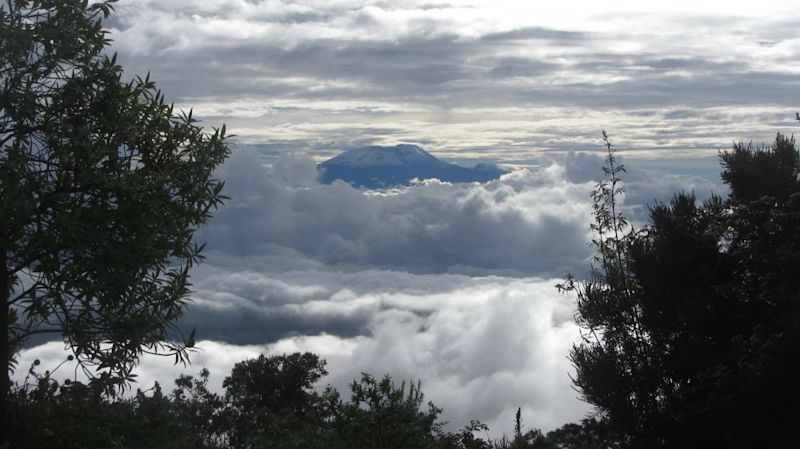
[692, 322]
[102, 186]
[268, 402]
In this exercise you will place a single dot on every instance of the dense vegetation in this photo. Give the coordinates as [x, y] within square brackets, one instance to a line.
[692, 322]
[269, 402]
[102, 185]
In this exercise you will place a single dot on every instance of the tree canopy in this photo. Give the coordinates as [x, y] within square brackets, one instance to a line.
[691, 323]
[102, 185]
[270, 401]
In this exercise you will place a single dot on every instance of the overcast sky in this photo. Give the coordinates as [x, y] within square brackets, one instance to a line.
[449, 284]
[484, 78]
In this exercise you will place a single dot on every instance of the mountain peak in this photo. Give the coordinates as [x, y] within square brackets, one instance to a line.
[380, 166]
[372, 156]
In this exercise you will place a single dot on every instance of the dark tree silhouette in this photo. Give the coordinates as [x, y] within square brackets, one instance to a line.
[271, 402]
[754, 172]
[385, 415]
[102, 186]
[691, 324]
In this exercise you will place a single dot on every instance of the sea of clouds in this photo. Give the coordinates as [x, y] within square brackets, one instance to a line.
[449, 284]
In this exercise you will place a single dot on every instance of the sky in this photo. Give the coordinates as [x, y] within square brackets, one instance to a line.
[451, 284]
[474, 79]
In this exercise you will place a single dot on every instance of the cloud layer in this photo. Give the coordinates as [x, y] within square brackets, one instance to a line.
[451, 284]
[530, 222]
[525, 223]
[481, 348]
[472, 79]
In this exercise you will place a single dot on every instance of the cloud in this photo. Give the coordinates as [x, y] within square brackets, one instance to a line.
[530, 222]
[481, 351]
[481, 347]
[648, 182]
[470, 77]
[288, 256]
[534, 223]
[450, 284]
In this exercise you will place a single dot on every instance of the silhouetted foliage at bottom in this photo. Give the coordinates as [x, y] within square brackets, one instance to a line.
[269, 402]
[590, 433]
[46, 414]
[382, 414]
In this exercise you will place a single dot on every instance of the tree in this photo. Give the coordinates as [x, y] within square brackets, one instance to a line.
[532, 439]
[381, 414]
[200, 410]
[613, 342]
[590, 433]
[102, 185]
[691, 323]
[271, 402]
[465, 438]
[46, 414]
[754, 172]
[69, 415]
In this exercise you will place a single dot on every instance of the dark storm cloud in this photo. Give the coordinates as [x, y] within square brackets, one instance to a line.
[246, 326]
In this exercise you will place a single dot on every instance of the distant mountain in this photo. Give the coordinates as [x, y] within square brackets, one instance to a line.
[376, 167]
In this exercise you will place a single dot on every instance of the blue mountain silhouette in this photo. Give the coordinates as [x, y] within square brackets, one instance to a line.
[377, 167]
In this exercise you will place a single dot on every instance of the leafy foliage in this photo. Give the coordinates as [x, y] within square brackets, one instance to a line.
[590, 433]
[613, 341]
[382, 414]
[755, 172]
[271, 402]
[691, 323]
[46, 414]
[102, 185]
[532, 439]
